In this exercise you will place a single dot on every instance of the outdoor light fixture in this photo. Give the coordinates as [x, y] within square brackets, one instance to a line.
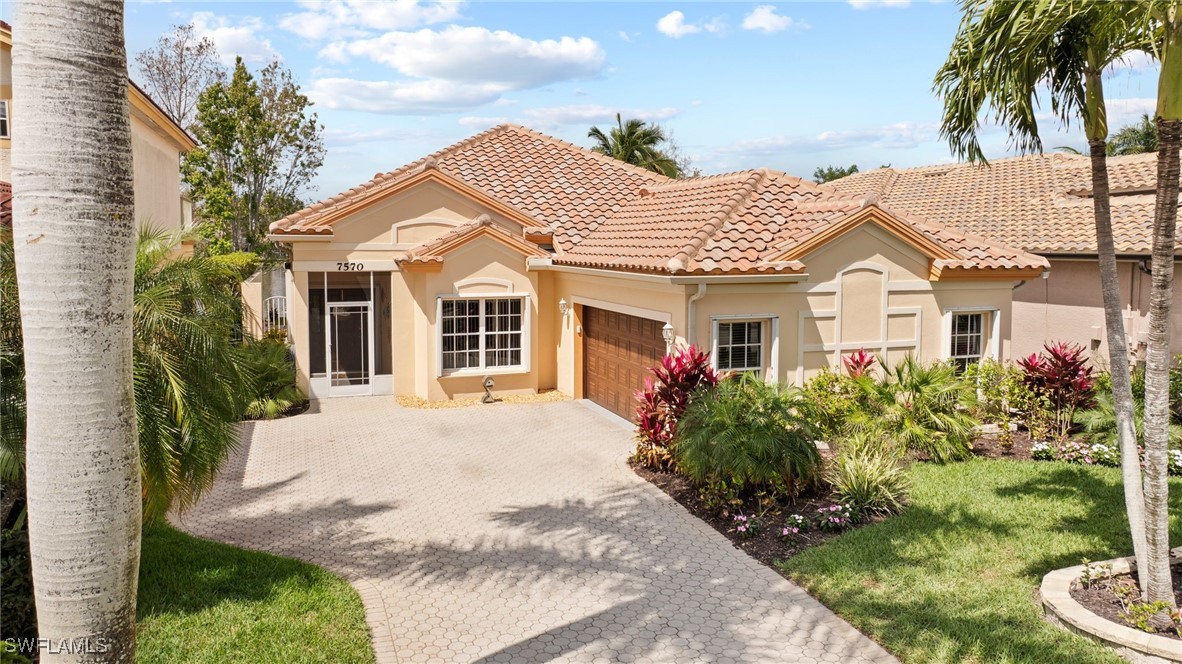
[667, 332]
[563, 307]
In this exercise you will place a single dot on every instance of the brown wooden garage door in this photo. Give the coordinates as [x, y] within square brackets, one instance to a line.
[618, 349]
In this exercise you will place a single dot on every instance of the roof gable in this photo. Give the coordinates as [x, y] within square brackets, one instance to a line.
[430, 256]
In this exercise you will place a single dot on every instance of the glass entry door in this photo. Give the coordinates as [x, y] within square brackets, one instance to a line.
[350, 348]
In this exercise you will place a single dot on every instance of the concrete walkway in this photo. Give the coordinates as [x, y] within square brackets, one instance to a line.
[511, 533]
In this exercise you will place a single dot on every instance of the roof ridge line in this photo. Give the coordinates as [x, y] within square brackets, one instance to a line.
[679, 260]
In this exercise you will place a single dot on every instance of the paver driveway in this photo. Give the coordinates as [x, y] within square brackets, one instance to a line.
[512, 532]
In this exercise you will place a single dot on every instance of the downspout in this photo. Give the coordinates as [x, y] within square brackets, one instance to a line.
[691, 333]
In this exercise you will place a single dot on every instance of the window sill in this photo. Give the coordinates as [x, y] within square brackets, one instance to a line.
[479, 373]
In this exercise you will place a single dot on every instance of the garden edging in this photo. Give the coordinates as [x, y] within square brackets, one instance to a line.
[1132, 644]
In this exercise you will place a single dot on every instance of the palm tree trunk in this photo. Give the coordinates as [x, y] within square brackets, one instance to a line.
[73, 229]
[1118, 352]
[1161, 294]
[1157, 365]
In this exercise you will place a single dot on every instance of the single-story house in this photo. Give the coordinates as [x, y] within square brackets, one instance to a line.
[538, 264]
[157, 143]
[1043, 204]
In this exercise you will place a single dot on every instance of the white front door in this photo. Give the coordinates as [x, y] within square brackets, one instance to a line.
[350, 349]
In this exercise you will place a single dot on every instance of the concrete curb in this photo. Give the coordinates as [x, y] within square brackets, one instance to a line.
[1130, 643]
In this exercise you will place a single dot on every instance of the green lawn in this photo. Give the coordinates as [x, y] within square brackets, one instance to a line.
[200, 601]
[955, 577]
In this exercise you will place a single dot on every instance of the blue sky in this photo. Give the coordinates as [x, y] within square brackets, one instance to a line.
[740, 85]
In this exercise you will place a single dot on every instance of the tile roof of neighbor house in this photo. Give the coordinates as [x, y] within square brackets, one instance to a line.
[1041, 203]
[608, 214]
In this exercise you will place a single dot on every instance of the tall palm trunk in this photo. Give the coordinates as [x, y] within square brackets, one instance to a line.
[73, 229]
[1096, 126]
[1161, 295]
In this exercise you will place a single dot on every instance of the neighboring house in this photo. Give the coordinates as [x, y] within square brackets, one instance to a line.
[157, 144]
[540, 264]
[1043, 204]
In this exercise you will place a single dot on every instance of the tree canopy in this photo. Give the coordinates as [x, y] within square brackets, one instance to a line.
[825, 174]
[638, 143]
[260, 147]
[1134, 138]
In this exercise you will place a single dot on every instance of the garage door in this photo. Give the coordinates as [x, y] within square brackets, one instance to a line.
[618, 349]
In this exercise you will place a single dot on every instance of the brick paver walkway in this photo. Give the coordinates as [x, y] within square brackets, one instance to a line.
[510, 533]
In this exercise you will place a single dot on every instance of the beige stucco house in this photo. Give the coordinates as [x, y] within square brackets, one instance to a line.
[1043, 204]
[539, 264]
[157, 144]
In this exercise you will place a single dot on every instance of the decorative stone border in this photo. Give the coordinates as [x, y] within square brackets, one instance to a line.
[1132, 644]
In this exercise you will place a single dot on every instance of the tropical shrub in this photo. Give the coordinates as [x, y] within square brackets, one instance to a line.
[831, 399]
[1060, 374]
[663, 401]
[869, 479]
[1099, 422]
[1175, 388]
[749, 434]
[1000, 389]
[272, 370]
[16, 585]
[859, 363]
[917, 407]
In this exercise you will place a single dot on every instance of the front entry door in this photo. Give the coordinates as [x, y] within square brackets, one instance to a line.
[350, 348]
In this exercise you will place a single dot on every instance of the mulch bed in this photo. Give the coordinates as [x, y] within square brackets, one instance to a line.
[987, 446]
[766, 546]
[1102, 601]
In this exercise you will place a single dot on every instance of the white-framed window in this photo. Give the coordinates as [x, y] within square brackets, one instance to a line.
[478, 333]
[5, 120]
[967, 339]
[739, 345]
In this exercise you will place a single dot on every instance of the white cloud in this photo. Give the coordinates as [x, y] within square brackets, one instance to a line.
[673, 25]
[901, 135]
[350, 18]
[588, 114]
[764, 17]
[478, 55]
[1133, 61]
[869, 4]
[342, 137]
[1124, 111]
[235, 39]
[401, 97]
[480, 122]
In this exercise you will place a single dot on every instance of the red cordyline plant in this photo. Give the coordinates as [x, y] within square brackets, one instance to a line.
[858, 364]
[663, 400]
[1060, 374]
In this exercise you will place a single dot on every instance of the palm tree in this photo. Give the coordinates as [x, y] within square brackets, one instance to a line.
[191, 387]
[73, 220]
[1001, 55]
[1136, 138]
[635, 142]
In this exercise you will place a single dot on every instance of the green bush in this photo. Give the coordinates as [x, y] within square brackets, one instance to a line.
[831, 399]
[1138, 380]
[1099, 422]
[868, 476]
[917, 407]
[1000, 390]
[750, 435]
[274, 392]
[16, 585]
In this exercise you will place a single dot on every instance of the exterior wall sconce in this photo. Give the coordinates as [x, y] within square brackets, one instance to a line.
[667, 333]
[563, 307]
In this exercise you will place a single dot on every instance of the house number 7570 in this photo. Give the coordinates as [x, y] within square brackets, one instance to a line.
[350, 267]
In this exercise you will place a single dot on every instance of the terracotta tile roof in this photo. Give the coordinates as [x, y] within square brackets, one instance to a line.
[745, 222]
[607, 214]
[568, 188]
[1041, 203]
[434, 250]
[6, 204]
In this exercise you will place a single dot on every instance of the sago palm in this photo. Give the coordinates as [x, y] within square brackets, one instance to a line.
[190, 385]
[635, 142]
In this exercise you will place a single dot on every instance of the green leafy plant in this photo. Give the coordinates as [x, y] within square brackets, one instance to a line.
[922, 408]
[831, 399]
[747, 526]
[749, 434]
[1099, 422]
[869, 477]
[274, 392]
[1146, 616]
[1093, 573]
